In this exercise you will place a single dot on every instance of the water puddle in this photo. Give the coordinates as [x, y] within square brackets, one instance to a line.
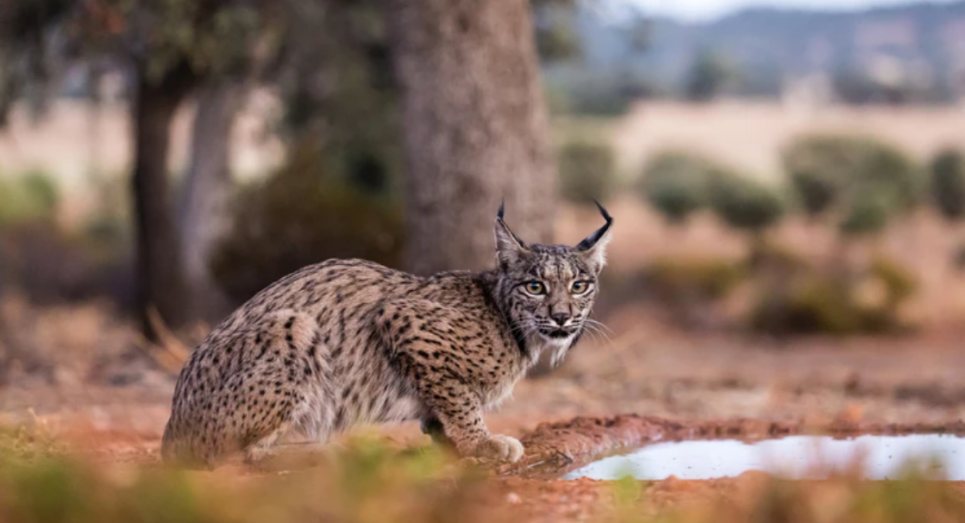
[798, 457]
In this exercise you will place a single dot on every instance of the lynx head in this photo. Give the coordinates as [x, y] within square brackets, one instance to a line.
[548, 291]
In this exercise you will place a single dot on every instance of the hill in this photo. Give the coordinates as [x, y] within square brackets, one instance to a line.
[920, 45]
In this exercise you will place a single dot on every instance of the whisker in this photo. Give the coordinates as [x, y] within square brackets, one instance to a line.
[599, 324]
[595, 330]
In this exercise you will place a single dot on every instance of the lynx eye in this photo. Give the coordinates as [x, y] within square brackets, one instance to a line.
[580, 287]
[535, 288]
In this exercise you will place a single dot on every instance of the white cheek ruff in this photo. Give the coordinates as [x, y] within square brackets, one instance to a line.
[558, 347]
[561, 347]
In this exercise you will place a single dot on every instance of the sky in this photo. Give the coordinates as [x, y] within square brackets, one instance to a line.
[696, 10]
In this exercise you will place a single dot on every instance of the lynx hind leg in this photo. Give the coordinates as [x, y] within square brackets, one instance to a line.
[282, 388]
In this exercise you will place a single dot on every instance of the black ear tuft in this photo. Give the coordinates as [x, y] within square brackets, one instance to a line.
[509, 248]
[592, 239]
[606, 215]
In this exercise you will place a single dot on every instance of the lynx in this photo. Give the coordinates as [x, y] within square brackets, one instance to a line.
[347, 342]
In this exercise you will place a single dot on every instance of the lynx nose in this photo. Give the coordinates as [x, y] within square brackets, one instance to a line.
[560, 318]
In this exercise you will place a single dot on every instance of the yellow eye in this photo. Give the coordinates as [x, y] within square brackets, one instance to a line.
[535, 288]
[580, 287]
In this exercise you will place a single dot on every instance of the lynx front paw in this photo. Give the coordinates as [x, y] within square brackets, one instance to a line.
[499, 448]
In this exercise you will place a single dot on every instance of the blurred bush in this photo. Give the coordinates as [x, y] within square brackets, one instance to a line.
[868, 212]
[27, 197]
[603, 93]
[556, 38]
[810, 304]
[826, 301]
[692, 290]
[711, 74]
[299, 216]
[676, 278]
[818, 168]
[367, 481]
[49, 262]
[888, 168]
[900, 283]
[744, 203]
[587, 172]
[948, 183]
[676, 184]
[868, 180]
[45, 263]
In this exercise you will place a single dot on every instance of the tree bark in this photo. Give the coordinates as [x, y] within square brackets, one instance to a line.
[475, 128]
[203, 206]
[160, 283]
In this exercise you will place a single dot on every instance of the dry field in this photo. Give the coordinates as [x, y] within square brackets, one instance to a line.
[74, 140]
[751, 135]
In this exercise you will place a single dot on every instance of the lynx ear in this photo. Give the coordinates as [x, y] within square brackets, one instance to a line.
[509, 248]
[593, 247]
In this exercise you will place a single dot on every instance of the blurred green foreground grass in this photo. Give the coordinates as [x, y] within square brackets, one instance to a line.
[368, 481]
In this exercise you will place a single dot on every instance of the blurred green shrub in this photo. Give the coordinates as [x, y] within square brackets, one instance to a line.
[30, 196]
[828, 171]
[299, 216]
[592, 92]
[51, 265]
[888, 168]
[818, 168]
[676, 184]
[810, 304]
[948, 183]
[816, 301]
[710, 75]
[743, 203]
[368, 481]
[690, 290]
[899, 282]
[556, 38]
[674, 278]
[777, 257]
[868, 212]
[587, 172]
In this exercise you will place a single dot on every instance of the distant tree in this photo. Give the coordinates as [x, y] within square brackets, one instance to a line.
[203, 201]
[855, 86]
[709, 76]
[475, 128]
[169, 48]
[556, 37]
[818, 168]
[867, 213]
[829, 171]
[743, 203]
[948, 184]
[676, 185]
[746, 205]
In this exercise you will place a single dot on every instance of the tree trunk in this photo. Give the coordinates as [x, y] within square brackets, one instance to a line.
[203, 206]
[160, 283]
[475, 128]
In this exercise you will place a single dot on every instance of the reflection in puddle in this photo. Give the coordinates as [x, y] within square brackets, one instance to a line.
[798, 457]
